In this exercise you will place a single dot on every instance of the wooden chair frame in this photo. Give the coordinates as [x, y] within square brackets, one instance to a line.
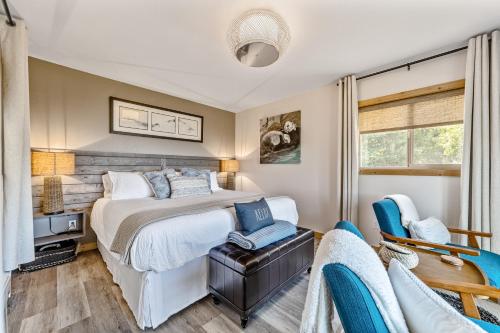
[471, 235]
[454, 250]
[467, 291]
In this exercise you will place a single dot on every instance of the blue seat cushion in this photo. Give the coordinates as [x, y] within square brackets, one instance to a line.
[389, 218]
[356, 308]
[488, 261]
[488, 327]
[349, 226]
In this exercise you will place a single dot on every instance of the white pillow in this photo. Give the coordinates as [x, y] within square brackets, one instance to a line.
[431, 229]
[214, 185]
[423, 309]
[129, 185]
[108, 185]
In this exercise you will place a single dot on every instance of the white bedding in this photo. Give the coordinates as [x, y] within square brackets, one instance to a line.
[173, 242]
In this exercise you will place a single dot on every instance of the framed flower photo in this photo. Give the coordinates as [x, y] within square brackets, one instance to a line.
[280, 139]
[133, 118]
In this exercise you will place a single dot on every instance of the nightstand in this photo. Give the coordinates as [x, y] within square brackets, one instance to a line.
[58, 227]
[55, 237]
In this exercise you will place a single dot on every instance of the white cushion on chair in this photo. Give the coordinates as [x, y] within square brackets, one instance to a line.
[431, 230]
[423, 309]
[406, 207]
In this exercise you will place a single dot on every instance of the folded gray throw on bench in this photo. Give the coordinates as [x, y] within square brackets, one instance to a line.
[262, 237]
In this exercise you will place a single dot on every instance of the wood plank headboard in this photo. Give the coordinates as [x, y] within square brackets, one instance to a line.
[83, 188]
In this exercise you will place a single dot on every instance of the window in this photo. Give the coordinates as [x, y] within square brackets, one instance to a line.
[420, 129]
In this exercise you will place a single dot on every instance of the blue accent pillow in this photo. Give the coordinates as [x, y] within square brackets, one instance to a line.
[191, 172]
[253, 216]
[159, 183]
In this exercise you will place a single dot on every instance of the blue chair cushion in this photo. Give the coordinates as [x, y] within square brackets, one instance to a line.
[488, 261]
[488, 327]
[253, 216]
[389, 218]
[349, 226]
[356, 308]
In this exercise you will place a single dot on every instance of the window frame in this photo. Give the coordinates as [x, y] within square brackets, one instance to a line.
[412, 169]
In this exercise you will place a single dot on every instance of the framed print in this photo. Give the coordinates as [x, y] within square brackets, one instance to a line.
[280, 139]
[133, 118]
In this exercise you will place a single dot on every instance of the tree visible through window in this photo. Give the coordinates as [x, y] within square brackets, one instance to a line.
[385, 149]
[438, 145]
[425, 130]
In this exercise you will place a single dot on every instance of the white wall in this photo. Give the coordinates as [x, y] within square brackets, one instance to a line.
[4, 286]
[433, 196]
[312, 183]
[4, 276]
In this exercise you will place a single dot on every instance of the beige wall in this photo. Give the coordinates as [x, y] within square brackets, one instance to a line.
[70, 109]
[312, 183]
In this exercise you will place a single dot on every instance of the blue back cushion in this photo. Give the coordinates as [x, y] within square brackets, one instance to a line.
[349, 226]
[488, 327]
[389, 218]
[356, 308]
[253, 216]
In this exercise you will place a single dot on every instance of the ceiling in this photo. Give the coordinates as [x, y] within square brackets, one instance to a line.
[179, 47]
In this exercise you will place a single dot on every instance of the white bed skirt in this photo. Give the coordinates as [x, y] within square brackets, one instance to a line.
[154, 297]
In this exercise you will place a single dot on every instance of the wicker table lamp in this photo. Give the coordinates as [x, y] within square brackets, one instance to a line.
[52, 165]
[231, 167]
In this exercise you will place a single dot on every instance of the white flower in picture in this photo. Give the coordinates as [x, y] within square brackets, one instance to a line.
[275, 139]
[289, 126]
[286, 138]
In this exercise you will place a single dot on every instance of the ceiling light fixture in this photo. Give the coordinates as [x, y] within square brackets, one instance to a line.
[258, 37]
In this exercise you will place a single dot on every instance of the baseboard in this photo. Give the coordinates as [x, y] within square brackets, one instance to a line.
[86, 247]
[5, 300]
[318, 235]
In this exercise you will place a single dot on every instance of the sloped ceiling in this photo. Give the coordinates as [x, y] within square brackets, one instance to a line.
[179, 46]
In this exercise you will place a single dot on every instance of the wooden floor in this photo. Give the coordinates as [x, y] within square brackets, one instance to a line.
[81, 297]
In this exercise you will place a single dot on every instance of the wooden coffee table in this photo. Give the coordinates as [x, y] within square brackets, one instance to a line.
[430, 267]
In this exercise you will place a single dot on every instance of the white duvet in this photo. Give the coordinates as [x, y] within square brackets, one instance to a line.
[171, 243]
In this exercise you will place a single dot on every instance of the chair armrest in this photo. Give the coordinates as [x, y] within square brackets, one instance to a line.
[466, 291]
[452, 249]
[470, 232]
[463, 287]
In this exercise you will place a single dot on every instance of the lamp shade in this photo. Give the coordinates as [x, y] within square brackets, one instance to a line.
[229, 165]
[51, 163]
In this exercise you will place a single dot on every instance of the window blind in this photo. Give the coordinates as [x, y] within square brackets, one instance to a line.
[436, 109]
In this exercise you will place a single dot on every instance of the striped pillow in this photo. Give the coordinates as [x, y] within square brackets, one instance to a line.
[183, 186]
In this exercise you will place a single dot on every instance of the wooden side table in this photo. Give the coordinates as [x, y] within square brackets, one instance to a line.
[430, 267]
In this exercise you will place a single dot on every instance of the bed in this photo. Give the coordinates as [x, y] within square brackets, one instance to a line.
[168, 267]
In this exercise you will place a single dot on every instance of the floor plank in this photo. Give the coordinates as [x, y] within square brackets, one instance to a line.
[106, 313]
[42, 291]
[44, 321]
[72, 305]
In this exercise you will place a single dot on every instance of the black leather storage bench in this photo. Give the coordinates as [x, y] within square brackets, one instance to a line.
[246, 279]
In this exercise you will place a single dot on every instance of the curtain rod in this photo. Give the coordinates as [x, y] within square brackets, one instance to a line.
[409, 64]
[9, 21]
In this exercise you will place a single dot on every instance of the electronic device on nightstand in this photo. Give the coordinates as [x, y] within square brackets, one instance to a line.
[55, 238]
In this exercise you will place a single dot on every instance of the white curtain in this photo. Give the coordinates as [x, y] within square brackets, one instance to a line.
[348, 149]
[16, 207]
[480, 183]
